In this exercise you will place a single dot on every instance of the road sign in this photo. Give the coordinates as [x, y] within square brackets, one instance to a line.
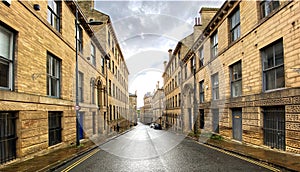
[77, 107]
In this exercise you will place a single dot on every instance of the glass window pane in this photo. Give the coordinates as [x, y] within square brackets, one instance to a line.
[5, 43]
[53, 87]
[270, 79]
[268, 58]
[278, 54]
[4, 74]
[280, 77]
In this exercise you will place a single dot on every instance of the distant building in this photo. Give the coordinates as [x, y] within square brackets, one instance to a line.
[158, 104]
[133, 108]
[148, 111]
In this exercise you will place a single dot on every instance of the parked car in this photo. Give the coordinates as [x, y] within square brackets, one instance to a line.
[157, 127]
[152, 125]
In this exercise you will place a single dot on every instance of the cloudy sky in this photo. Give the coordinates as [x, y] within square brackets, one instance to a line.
[146, 30]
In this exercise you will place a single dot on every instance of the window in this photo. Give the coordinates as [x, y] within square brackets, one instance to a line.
[236, 79]
[55, 128]
[201, 91]
[80, 86]
[6, 58]
[214, 45]
[215, 120]
[109, 87]
[185, 71]
[53, 14]
[94, 122]
[235, 29]
[273, 66]
[53, 76]
[79, 39]
[192, 62]
[215, 86]
[268, 6]
[179, 99]
[102, 64]
[113, 67]
[93, 55]
[113, 90]
[201, 57]
[179, 78]
[8, 136]
[92, 91]
[178, 56]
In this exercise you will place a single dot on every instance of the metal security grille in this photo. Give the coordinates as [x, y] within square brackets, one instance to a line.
[274, 127]
[54, 122]
[8, 136]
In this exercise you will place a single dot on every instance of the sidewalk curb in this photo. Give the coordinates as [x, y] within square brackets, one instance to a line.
[246, 155]
[59, 164]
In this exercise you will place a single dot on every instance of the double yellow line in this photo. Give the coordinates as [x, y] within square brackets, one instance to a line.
[81, 160]
[242, 158]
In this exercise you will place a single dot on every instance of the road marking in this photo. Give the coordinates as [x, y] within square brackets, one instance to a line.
[242, 158]
[80, 160]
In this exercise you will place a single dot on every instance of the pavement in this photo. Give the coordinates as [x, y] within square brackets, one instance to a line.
[57, 158]
[269, 156]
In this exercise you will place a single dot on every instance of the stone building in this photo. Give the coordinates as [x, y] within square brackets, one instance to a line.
[133, 108]
[147, 109]
[158, 104]
[117, 71]
[175, 75]
[37, 78]
[246, 64]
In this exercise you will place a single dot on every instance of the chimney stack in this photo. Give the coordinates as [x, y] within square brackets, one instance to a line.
[165, 64]
[198, 21]
[170, 54]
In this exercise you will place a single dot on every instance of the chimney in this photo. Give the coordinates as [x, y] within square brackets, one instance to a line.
[170, 54]
[157, 85]
[165, 64]
[198, 21]
[206, 14]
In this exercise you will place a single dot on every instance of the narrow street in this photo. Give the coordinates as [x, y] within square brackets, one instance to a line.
[146, 149]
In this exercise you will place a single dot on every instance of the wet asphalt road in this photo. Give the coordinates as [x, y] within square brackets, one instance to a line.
[146, 149]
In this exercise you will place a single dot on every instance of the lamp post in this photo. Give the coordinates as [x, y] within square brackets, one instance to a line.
[77, 107]
[195, 99]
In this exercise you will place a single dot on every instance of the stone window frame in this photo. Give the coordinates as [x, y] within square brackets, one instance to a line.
[214, 45]
[8, 135]
[277, 67]
[267, 6]
[54, 127]
[235, 25]
[54, 14]
[215, 86]
[7, 59]
[201, 56]
[93, 85]
[201, 92]
[102, 64]
[53, 64]
[94, 122]
[235, 78]
[93, 54]
[80, 39]
[80, 86]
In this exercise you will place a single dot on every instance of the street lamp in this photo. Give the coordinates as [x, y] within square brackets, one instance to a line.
[195, 99]
[77, 107]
